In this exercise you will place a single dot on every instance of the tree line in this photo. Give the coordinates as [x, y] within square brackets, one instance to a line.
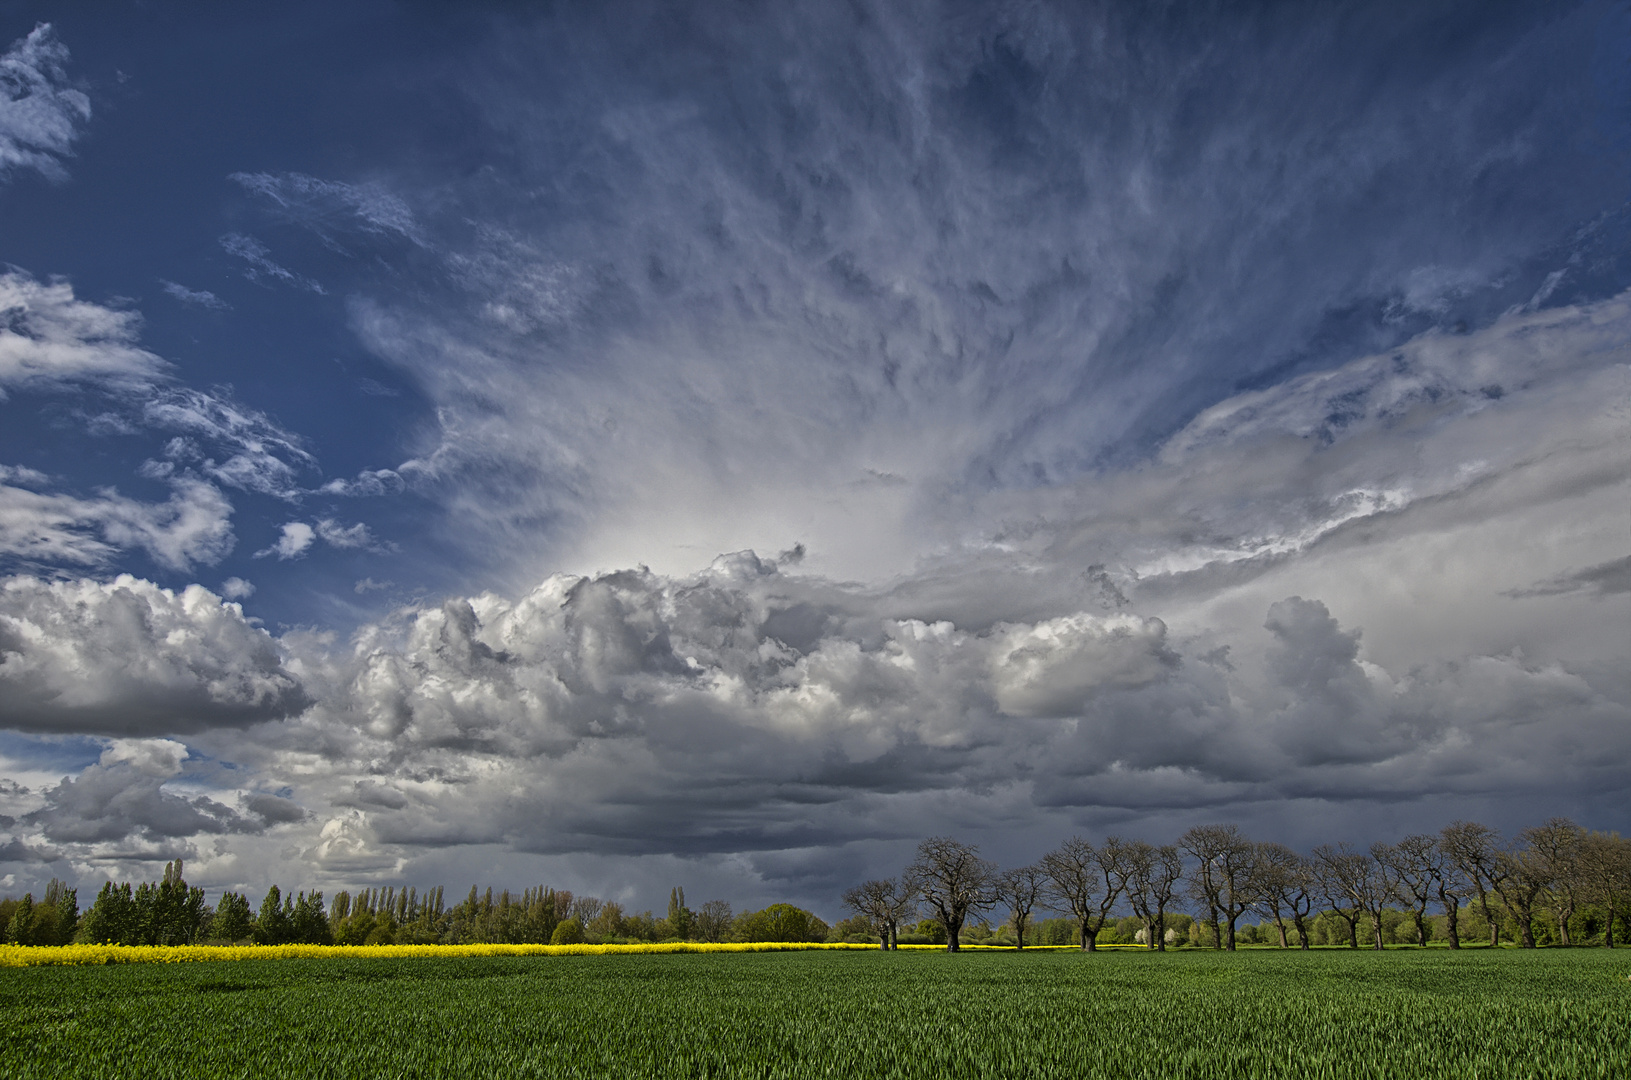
[1554, 883]
[171, 912]
[1555, 880]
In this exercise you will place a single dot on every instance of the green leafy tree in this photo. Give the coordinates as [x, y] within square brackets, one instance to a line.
[21, 930]
[233, 921]
[113, 917]
[309, 926]
[779, 922]
[679, 916]
[273, 926]
[567, 932]
[64, 905]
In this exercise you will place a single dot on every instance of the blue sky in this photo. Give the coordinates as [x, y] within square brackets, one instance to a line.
[619, 445]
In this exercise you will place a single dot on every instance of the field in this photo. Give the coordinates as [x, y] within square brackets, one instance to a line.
[1554, 1013]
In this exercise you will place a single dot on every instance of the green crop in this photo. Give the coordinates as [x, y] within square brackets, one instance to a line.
[1553, 1013]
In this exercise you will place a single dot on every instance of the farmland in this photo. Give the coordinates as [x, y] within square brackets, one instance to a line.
[1551, 1013]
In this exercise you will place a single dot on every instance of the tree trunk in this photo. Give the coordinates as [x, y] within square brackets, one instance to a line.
[1281, 923]
[1161, 928]
[1302, 931]
[1421, 927]
[1089, 944]
[1451, 915]
[1527, 928]
[1353, 932]
[1489, 917]
[1563, 918]
[954, 931]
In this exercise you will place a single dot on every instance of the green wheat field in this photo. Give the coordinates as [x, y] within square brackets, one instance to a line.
[1259, 1013]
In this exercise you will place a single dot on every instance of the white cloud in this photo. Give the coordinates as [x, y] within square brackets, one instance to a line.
[255, 453]
[330, 206]
[296, 539]
[196, 297]
[193, 526]
[236, 588]
[49, 339]
[298, 536]
[368, 482]
[40, 112]
[345, 536]
[255, 253]
[127, 657]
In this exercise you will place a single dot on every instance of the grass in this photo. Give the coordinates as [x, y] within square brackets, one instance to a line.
[1553, 1013]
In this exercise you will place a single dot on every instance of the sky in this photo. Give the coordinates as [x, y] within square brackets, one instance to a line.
[626, 445]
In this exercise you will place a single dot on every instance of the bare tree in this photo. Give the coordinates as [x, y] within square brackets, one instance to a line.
[1415, 864]
[585, 908]
[1530, 871]
[1605, 866]
[1473, 850]
[712, 920]
[1223, 877]
[1524, 879]
[1021, 890]
[1336, 869]
[1149, 878]
[954, 881]
[886, 902]
[1556, 844]
[1084, 881]
[1285, 886]
[1451, 886]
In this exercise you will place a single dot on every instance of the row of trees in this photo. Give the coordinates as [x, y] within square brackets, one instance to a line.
[1573, 882]
[170, 912]
[1556, 868]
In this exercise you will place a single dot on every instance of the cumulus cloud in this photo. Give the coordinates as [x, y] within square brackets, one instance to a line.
[296, 538]
[129, 658]
[49, 338]
[347, 536]
[40, 111]
[236, 588]
[743, 710]
[1054, 667]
